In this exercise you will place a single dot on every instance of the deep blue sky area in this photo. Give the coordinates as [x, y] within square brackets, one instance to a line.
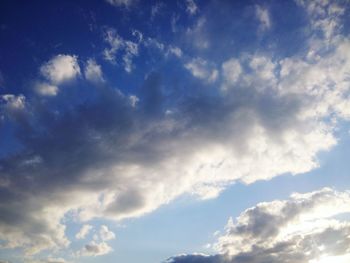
[180, 131]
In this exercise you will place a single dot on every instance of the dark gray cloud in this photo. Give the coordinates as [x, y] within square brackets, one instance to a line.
[197, 258]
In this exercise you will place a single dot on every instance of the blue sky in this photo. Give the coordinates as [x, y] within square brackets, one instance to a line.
[174, 131]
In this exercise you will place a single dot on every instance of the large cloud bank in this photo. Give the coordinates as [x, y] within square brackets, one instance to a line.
[118, 156]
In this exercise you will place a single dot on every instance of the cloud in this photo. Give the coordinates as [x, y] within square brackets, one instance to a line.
[83, 232]
[196, 258]
[118, 3]
[13, 102]
[202, 69]
[262, 14]
[116, 157]
[95, 249]
[93, 72]
[46, 89]
[197, 33]
[106, 234]
[300, 229]
[231, 71]
[129, 49]
[175, 51]
[191, 7]
[47, 260]
[325, 16]
[156, 9]
[60, 69]
[268, 225]
[122, 51]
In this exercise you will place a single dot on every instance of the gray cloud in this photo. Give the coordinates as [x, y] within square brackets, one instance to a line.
[300, 229]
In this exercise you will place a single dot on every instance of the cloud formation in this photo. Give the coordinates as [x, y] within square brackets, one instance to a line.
[93, 72]
[202, 69]
[300, 229]
[83, 232]
[95, 249]
[117, 156]
[118, 3]
[60, 69]
[128, 48]
[263, 16]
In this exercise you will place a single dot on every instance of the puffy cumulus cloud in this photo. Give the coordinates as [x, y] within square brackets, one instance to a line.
[12, 102]
[93, 72]
[302, 219]
[117, 156]
[46, 89]
[201, 69]
[125, 3]
[175, 51]
[32, 232]
[106, 234]
[95, 249]
[60, 69]
[263, 16]
[231, 71]
[301, 229]
[98, 246]
[83, 232]
[12, 107]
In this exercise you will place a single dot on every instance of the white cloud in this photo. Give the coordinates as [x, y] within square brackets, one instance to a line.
[191, 7]
[272, 118]
[83, 232]
[231, 71]
[300, 229]
[127, 48]
[133, 100]
[302, 223]
[262, 14]
[175, 51]
[106, 234]
[13, 102]
[46, 89]
[60, 69]
[95, 249]
[324, 16]
[197, 33]
[32, 233]
[93, 72]
[47, 260]
[202, 69]
[118, 3]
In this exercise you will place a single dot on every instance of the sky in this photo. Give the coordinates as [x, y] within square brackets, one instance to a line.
[185, 131]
